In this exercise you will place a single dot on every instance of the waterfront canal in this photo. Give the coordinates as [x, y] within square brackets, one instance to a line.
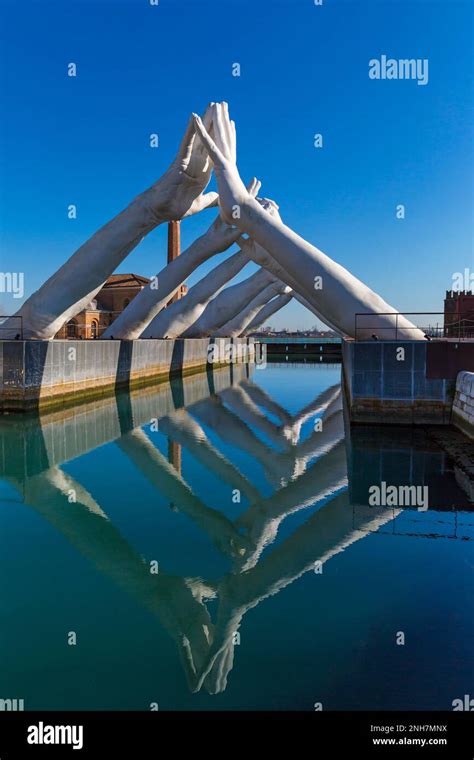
[210, 544]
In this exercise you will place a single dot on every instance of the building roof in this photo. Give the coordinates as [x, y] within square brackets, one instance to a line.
[125, 281]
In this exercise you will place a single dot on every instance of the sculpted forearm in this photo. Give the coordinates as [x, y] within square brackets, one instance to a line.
[175, 319]
[227, 304]
[75, 284]
[138, 315]
[147, 304]
[242, 318]
[325, 284]
[267, 311]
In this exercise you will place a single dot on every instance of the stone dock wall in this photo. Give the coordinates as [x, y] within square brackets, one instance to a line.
[397, 382]
[37, 373]
[463, 404]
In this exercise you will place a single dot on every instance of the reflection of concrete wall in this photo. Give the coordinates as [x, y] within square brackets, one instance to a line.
[463, 404]
[39, 373]
[380, 388]
[407, 456]
[32, 443]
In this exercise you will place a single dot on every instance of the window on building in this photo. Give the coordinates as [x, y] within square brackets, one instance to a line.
[94, 329]
[72, 329]
[126, 302]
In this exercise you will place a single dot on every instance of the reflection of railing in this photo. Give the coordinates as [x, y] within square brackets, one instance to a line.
[14, 328]
[408, 525]
[461, 329]
[305, 362]
[309, 350]
[300, 347]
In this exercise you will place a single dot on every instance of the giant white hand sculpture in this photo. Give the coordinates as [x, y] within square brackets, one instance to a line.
[332, 288]
[148, 303]
[267, 311]
[178, 193]
[175, 319]
[228, 303]
[239, 321]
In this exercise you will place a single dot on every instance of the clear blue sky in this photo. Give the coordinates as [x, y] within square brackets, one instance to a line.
[304, 70]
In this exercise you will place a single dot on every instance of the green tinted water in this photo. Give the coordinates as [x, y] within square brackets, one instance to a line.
[209, 545]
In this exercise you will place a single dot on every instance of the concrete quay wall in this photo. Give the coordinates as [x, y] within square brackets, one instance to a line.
[463, 404]
[36, 374]
[394, 382]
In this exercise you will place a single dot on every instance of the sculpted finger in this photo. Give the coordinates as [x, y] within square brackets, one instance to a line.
[220, 131]
[233, 141]
[207, 118]
[207, 200]
[270, 206]
[185, 149]
[254, 186]
[214, 152]
[229, 133]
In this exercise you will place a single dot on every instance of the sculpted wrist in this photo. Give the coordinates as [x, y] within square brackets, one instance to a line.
[151, 211]
[251, 215]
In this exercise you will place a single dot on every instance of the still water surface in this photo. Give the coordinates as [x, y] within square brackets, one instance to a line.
[210, 545]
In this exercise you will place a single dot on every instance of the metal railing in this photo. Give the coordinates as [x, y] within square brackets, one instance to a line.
[462, 329]
[13, 330]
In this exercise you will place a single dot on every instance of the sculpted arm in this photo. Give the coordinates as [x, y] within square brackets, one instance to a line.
[233, 327]
[131, 323]
[340, 295]
[177, 317]
[267, 311]
[178, 193]
[228, 303]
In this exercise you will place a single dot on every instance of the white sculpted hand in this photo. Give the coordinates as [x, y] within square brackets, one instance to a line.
[180, 191]
[222, 151]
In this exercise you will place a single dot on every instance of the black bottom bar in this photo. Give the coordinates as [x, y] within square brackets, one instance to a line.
[378, 734]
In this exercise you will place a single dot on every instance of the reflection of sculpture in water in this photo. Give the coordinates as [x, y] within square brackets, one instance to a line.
[316, 476]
